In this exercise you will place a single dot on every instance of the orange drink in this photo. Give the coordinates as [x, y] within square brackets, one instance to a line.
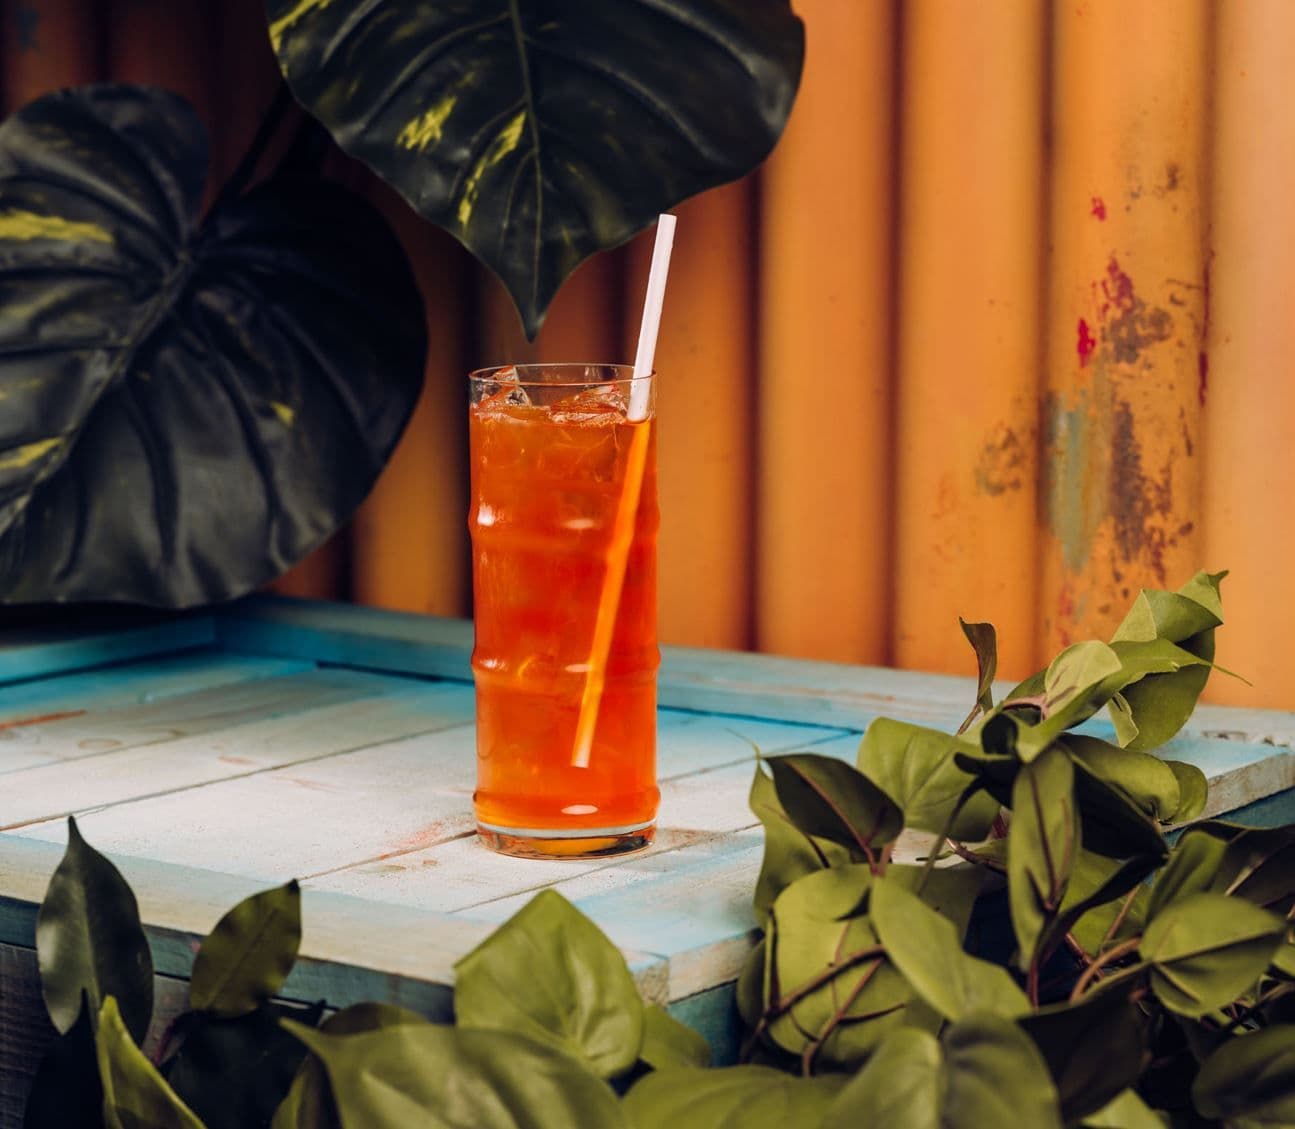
[551, 447]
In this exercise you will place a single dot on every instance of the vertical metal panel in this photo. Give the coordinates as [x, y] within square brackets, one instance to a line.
[706, 411]
[824, 398]
[1125, 359]
[47, 44]
[968, 332]
[162, 45]
[1250, 398]
[410, 538]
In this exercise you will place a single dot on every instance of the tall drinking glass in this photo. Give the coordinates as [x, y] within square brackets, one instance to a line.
[551, 451]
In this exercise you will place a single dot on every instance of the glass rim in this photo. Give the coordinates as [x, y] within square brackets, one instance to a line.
[625, 373]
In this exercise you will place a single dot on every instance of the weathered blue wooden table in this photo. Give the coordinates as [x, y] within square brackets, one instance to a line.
[214, 755]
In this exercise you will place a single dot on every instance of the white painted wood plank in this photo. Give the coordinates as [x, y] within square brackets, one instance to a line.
[66, 738]
[63, 787]
[139, 681]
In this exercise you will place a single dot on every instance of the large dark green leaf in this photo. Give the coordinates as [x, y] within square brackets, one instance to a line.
[89, 941]
[926, 948]
[788, 851]
[916, 768]
[234, 1073]
[135, 1095]
[550, 973]
[829, 799]
[1206, 949]
[1094, 1048]
[186, 408]
[1259, 864]
[736, 1097]
[984, 1073]
[416, 1074]
[246, 958]
[1250, 1080]
[1042, 847]
[540, 131]
[66, 1090]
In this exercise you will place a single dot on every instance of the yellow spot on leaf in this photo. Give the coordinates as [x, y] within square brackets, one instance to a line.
[28, 453]
[504, 143]
[286, 414]
[425, 130]
[284, 23]
[30, 225]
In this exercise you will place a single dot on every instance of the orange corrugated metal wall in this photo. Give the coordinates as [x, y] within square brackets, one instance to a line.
[1004, 328]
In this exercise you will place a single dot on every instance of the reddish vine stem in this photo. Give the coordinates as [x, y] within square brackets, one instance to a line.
[1109, 957]
[834, 1021]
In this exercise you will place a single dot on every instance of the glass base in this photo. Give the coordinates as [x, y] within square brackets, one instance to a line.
[536, 843]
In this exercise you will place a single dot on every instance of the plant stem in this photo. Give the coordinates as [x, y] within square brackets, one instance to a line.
[811, 1051]
[242, 175]
[1125, 906]
[787, 1002]
[1110, 956]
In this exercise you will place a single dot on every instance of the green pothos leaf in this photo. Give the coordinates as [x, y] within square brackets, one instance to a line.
[90, 943]
[135, 1095]
[789, 852]
[1249, 1082]
[247, 956]
[1042, 846]
[188, 404]
[538, 134]
[984, 641]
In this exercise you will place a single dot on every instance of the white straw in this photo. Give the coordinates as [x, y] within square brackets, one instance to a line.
[627, 505]
[651, 324]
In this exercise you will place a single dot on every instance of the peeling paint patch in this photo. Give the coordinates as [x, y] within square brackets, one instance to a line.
[1086, 344]
[1074, 477]
[1001, 464]
[1139, 503]
[1130, 325]
[1098, 208]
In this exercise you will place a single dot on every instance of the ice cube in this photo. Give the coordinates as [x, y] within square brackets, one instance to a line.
[602, 405]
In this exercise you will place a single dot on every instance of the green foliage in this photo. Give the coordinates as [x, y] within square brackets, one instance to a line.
[179, 386]
[90, 943]
[539, 134]
[587, 1005]
[247, 957]
[1139, 986]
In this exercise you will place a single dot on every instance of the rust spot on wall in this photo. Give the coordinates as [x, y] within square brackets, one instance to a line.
[1139, 503]
[1130, 324]
[1098, 208]
[1001, 463]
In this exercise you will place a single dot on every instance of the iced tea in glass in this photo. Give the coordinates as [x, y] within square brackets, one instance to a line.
[550, 447]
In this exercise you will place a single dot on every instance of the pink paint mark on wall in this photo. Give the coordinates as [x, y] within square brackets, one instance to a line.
[1203, 368]
[1098, 208]
[1087, 343]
